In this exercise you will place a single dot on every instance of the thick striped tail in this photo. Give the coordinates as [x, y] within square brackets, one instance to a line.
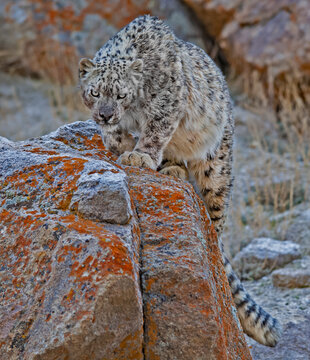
[255, 321]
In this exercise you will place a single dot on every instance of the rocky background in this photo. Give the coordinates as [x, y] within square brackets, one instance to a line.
[264, 50]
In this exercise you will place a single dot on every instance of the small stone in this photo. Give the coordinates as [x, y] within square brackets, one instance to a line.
[296, 275]
[291, 278]
[297, 229]
[263, 255]
[102, 195]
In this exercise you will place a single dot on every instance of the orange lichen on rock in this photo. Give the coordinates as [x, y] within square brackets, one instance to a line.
[69, 275]
[146, 285]
[186, 313]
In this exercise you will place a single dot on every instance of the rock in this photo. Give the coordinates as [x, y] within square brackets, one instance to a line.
[5, 143]
[295, 275]
[69, 285]
[175, 252]
[98, 262]
[267, 47]
[291, 278]
[103, 199]
[296, 227]
[263, 255]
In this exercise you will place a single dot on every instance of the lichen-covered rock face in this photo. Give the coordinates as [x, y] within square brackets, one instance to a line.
[99, 262]
[69, 280]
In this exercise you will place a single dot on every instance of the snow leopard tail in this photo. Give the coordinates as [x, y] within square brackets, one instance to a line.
[255, 321]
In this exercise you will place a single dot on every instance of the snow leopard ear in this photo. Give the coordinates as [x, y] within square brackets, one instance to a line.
[85, 66]
[136, 69]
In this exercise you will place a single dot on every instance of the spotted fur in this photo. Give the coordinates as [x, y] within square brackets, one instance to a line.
[147, 81]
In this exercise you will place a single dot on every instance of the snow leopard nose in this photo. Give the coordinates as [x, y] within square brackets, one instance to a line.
[106, 112]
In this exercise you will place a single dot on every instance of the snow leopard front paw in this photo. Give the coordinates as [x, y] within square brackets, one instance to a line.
[135, 158]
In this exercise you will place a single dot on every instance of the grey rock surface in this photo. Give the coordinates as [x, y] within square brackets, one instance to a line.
[295, 275]
[5, 143]
[297, 229]
[102, 197]
[263, 255]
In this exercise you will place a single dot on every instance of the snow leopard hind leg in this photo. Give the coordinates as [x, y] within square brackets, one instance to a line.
[214, 179]
[174, 168]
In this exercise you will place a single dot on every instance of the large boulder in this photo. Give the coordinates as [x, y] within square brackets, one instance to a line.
[100, 262]
[70, 282]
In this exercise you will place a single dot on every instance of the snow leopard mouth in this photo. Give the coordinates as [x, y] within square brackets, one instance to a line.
[110, 122]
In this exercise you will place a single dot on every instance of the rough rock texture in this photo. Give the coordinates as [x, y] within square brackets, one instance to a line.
[175, 273]
[295, 275]
[267, 46]
[291, 278]
[69, 285]
[263, 255]
[296, 228]
[79, 276]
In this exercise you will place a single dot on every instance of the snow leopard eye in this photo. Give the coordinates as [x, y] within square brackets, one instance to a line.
[94, 93]
[121, 96]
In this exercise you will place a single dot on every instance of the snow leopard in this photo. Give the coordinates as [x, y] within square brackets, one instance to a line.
[170, 93]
